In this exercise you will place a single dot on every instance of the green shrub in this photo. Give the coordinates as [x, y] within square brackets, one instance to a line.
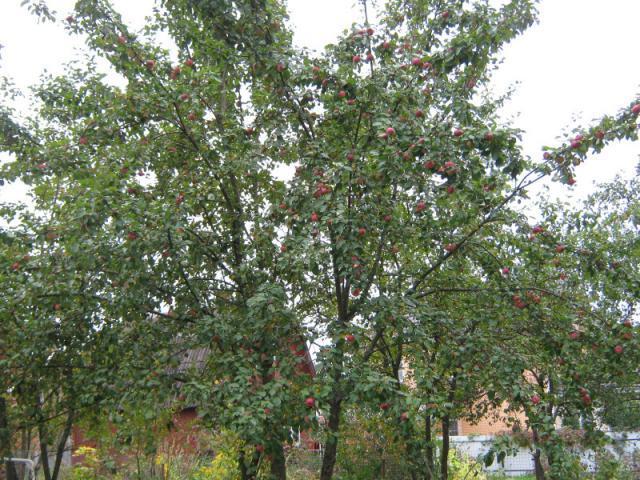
[609, 468]
[462, 467]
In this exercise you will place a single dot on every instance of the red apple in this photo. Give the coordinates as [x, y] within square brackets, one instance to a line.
[586, 399]
[560, 248]
[385, 406]
[57, 307]
[388, 218]
[283, 248]
[83, 140]
[260, 448]
[132, 236]
[628, 323]
[430, 164]
[505, 270]
[267, 411]
[386, 45]
[351, 101]
[420, 206]
[356, 59]
[489, 136]
[577, 142]
[518, 303]
[445, 14]
[537, 229]
[571, 181]
[458, 132]
[184, 97]
[419, 113]
[315, 69]
[310, 402]
[535, 399]
[370, 57]
[175, 72]
[416, 62]
[370, 31]
[280, 67]
[180, 198]
[390, 131]
[342, 94]
[451, 247]
[451, 189]
[314, 217]
[70, 19]
[618, 349]
[599, 134]
[122, 39]
[574, 335]
[404, 416]
[192, 117]
[356, 292]
[189, 62]
[150, 64]
[636, 109]
[350, 338]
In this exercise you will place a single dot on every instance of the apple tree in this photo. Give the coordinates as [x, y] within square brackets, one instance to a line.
[163, 182]
[404, 170]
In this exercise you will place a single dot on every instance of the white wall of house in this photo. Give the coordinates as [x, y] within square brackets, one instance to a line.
[623, 445]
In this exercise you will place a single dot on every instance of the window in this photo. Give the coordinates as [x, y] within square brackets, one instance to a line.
[453, 427]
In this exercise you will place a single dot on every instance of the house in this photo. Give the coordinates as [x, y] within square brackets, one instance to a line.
[495, 422]
[185, 433]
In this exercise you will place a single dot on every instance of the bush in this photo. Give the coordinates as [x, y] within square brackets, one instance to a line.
[609, 468]
[462, 467]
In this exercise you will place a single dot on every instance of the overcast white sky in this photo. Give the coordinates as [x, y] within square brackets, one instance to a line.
[581, 60]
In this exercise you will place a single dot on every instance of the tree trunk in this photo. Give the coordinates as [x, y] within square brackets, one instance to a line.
[537, 460]
[428, 438]
[245, 473]
[44, 451]
[241, 466]
[62, 444]
[539, 470]
[278, 464]
[331, 447]
[444, 454]
[248, 472]
[5, 441]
